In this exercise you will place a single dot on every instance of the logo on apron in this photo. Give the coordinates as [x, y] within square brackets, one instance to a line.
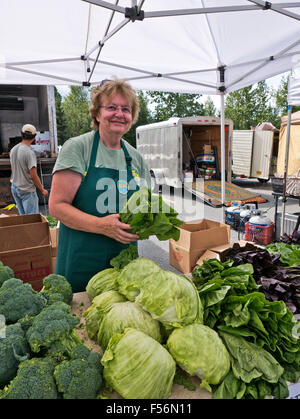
[122, 186]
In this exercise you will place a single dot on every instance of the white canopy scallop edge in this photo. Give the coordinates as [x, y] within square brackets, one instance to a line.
[188, 46]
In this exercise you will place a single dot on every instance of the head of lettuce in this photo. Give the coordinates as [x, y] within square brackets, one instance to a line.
[137, 366]
[171, 299]
[199, 351]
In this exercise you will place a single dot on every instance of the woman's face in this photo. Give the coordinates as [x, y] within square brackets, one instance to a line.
[114, 116]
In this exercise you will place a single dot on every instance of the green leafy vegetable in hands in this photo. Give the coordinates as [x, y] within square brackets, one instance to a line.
[148, 215]
[101, 305]
[124, 315]
[125, 256]
[80, 377]
[105, 280]
[199, 350]
[18, 299]
[34, 380]
[137, 366]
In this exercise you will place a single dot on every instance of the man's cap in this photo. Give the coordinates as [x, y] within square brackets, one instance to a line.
[28, 129]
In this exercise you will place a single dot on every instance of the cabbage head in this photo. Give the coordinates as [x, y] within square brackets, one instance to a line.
[200, 351]
[137, 366]
[172, 299]
[133, 275]
[105, 280]
[124, 315]
[101, 304]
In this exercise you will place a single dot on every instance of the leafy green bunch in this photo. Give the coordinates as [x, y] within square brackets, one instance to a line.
[148, 215]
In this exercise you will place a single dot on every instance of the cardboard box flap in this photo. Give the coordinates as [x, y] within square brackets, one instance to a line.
[24, 236]
[208, 254]
[203, 234]
[22, 219]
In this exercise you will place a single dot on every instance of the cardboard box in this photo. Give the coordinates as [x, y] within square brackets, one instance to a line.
[53, 265]
[221, 252]
[54, 241]
[26, 248]
[196, 237]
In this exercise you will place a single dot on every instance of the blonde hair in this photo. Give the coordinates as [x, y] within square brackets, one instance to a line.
[108, 89]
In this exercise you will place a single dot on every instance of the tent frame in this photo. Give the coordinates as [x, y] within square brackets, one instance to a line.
[136, 13]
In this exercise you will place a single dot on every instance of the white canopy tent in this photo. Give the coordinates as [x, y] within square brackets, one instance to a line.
[188, 46]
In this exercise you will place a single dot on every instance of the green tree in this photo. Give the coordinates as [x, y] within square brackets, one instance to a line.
[144, 118]
[76, 110]
[61, 122]
[239, 106]
[209, 107]
[167, 105]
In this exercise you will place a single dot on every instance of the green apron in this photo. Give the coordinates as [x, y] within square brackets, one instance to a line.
[81, 254]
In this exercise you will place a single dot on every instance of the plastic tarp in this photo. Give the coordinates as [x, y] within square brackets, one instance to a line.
[189, 46]
[294, 146]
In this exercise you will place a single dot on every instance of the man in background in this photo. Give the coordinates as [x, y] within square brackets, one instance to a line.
[24, 177]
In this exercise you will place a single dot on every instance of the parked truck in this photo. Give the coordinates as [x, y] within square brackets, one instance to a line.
[21, 104]
[254, 153]
[185, 148]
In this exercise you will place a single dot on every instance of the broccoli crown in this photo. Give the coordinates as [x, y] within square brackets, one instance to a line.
[81, 376]
[5, 273]
[18, 299]
[57, 288]
[13, 349]
[63, 347]
[50, 325]
[34, 380]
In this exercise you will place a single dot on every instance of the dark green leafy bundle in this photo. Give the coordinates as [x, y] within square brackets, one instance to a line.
[289, 253]
[148, 215]
[233, 306]
[125, 256]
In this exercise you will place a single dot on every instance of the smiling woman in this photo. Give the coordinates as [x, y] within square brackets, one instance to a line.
[87, 167]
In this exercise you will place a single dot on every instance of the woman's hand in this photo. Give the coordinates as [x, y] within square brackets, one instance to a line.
[111, 226]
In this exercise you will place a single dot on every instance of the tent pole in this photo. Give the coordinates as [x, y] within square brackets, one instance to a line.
[223, 156]
[287, 148]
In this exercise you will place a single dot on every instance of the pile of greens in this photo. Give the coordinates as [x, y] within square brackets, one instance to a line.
[261, 336]
[289, 253]
[277, 282]
[148, 215]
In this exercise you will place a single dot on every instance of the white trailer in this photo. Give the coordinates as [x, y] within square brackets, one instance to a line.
[254, 153]
[172, 149]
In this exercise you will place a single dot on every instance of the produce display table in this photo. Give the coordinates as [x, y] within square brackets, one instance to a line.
[80, 304]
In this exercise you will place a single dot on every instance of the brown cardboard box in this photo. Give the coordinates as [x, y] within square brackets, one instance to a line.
[222, 252]
[195, 238]
[53, 265]
[25, 247]
[54, 240]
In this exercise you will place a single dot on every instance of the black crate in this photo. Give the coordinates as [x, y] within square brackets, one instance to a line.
[277, 184]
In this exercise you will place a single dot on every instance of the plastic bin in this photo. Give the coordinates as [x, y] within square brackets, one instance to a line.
[259, 234]
[290, 221]
[277, 184]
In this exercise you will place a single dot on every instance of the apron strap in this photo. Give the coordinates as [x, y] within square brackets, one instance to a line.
[94, 149]
[127, 156]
